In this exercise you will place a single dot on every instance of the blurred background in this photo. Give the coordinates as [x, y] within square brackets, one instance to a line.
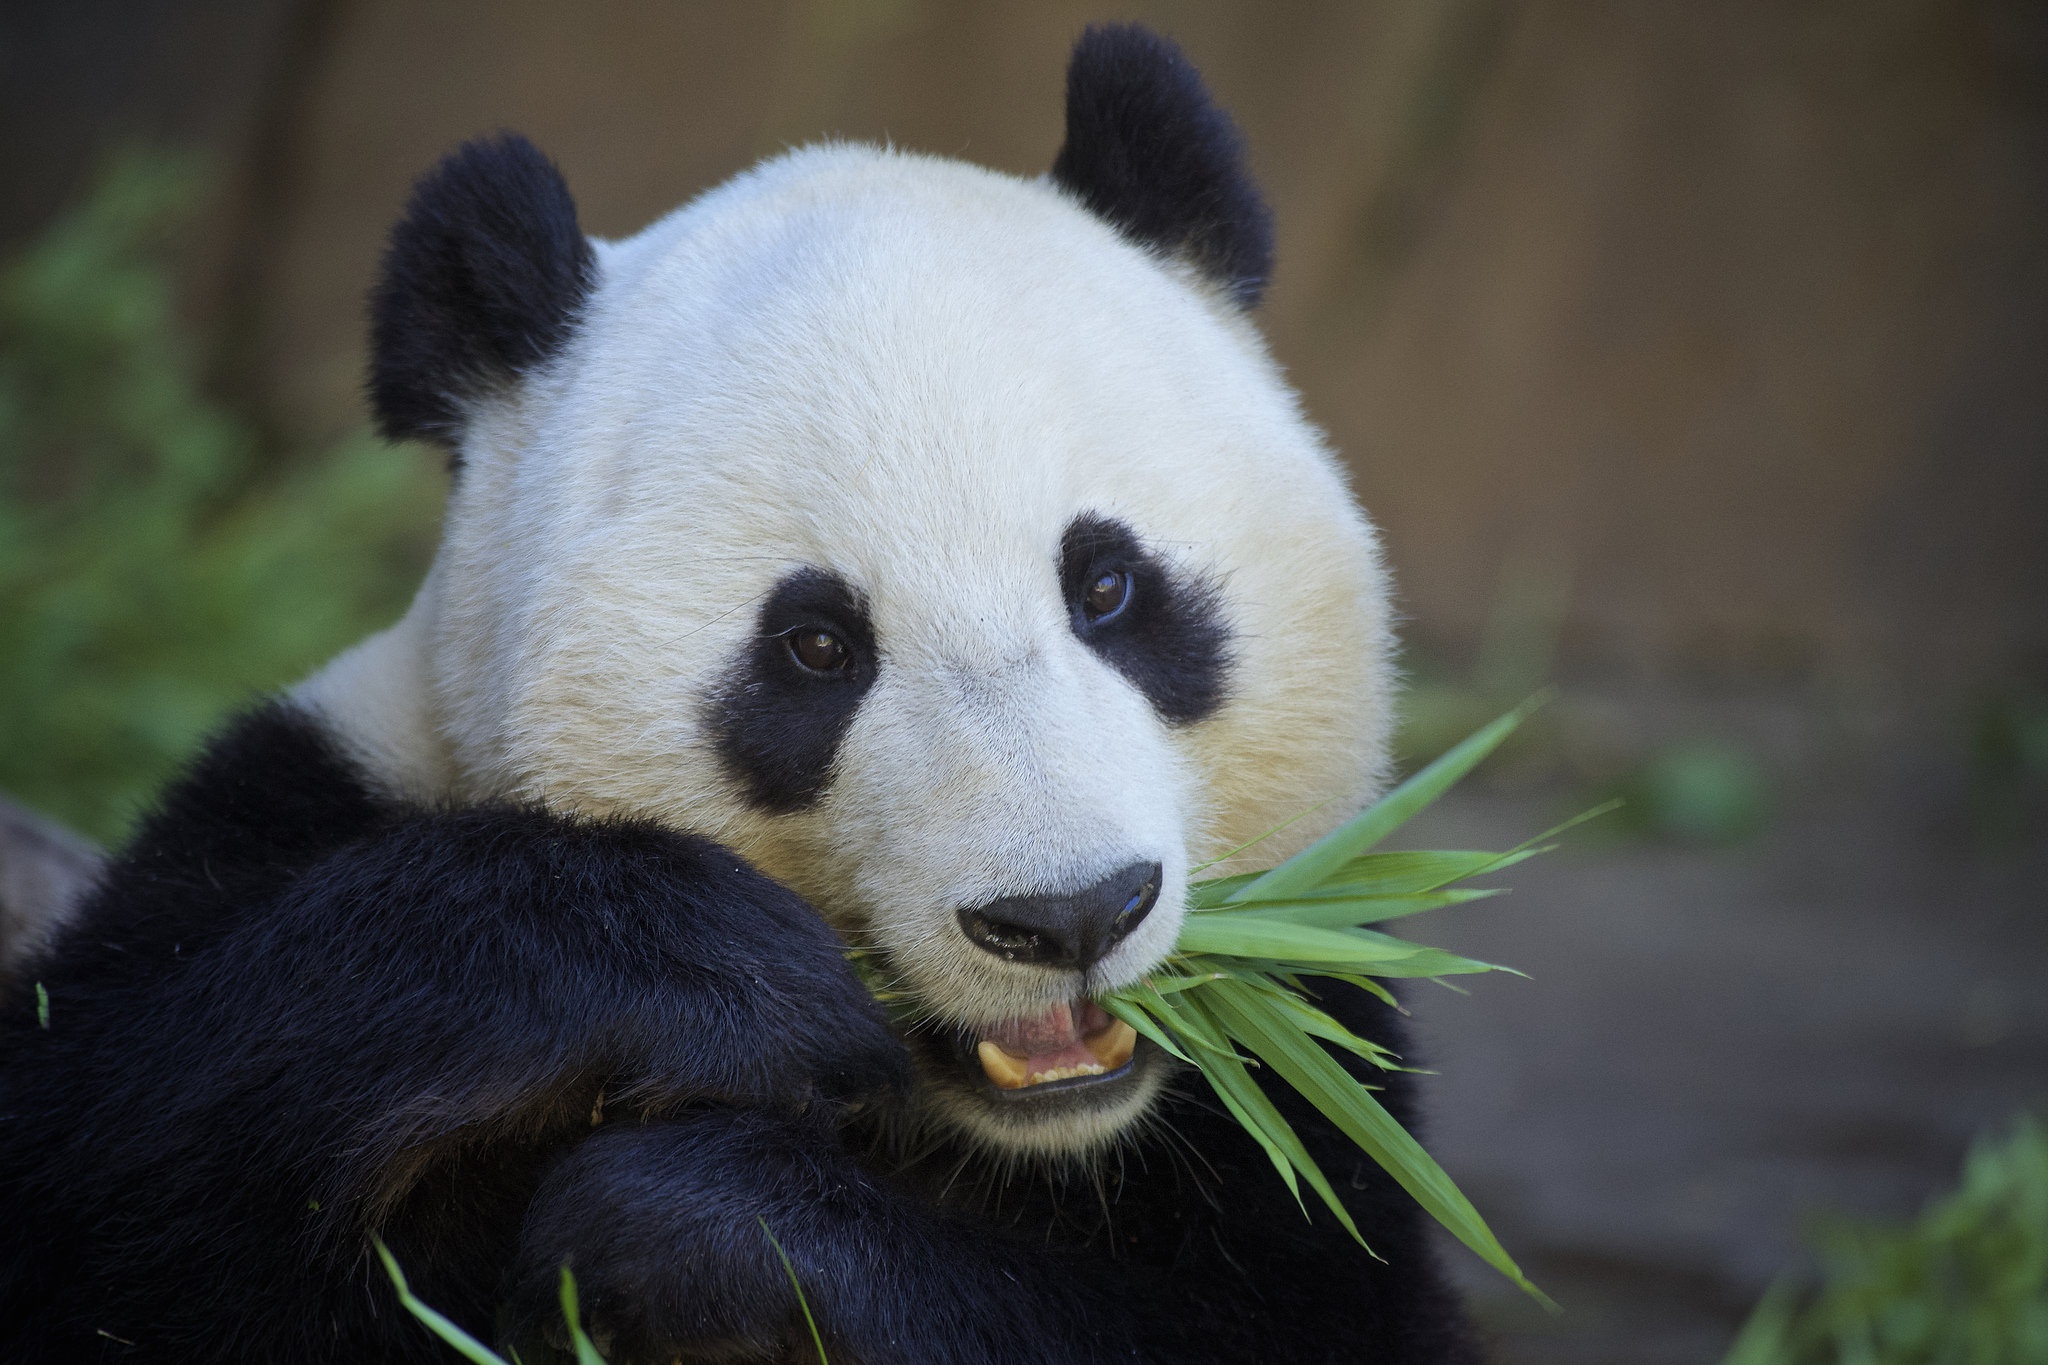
[1692, 356]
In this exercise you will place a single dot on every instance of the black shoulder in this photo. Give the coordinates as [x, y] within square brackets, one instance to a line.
[268, 797]
[483, 280]
[1148, 150]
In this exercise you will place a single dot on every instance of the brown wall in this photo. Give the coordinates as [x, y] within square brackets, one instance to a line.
[1736, 313]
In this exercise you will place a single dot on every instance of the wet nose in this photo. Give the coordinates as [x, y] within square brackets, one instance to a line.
[1073, 931]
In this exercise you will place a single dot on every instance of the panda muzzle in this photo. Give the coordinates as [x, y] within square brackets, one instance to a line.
[1066, 1042]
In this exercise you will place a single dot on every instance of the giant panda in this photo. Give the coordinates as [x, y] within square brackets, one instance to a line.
[877, 551]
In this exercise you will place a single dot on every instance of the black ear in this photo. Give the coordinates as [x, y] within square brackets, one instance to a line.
[1148, 150]
[483, 280]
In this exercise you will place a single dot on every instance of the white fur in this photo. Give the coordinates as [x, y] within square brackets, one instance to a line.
[914, 373]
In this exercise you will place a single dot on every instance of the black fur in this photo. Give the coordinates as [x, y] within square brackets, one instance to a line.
[1170, 640]
[1148, 150]
[297, 1014]
[483, 281]
[294, 1014]
[778, 725]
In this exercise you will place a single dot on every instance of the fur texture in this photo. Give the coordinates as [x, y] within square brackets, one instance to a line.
[1148, 151]
[778, 723]
[505, 937]
[914, 376]
[1169, 640]
[297, 1013]
[482, 283]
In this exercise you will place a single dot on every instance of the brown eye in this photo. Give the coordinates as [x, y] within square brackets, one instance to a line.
[819, 650]
[1106, 594]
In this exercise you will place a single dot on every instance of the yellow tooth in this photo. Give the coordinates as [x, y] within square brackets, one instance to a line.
[1006, 1071]
[1066, 1073]
[1114, 1045]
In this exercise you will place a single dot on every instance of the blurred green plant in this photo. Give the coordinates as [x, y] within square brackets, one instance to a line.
[1708, 791]
[1697, 792]
[2009, 764]
[1518, 648]
[1965, 1284]
[154, 573]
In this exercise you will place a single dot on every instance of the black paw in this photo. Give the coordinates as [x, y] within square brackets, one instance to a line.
[767, 1008]
[665, 1228]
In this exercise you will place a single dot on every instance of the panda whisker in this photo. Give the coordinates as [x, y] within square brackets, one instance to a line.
[755, 600]
[953, 1178]
[1096, 1183]
[1184, 1154]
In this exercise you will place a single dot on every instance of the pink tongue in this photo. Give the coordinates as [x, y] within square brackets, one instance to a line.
[1053, 1039]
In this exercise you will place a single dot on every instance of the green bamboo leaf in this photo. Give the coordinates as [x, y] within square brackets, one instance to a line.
[1262, 937]
[1258, 839]
[1402, 873]
[1411, 872]
[1349, 1105]
[1215, 892]
[1169, 985]
[1238, 1090]
[440, 1326]
[1316, 1023]
[1221, 1070]
[1422, 877]
[1431, 963]
[1238, 978]
[1366, 984]
[1351, 912]
[1135, 1015]
[1276, 945]
[1314, 865]
[817, 1338]
[1227, 1090]
[586, 1352]
[1189, 1024]
[1540, 843]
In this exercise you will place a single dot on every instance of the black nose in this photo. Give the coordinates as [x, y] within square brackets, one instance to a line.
[1073, 931]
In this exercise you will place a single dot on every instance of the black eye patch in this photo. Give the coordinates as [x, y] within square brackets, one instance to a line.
[778, 716]
[1166, 633]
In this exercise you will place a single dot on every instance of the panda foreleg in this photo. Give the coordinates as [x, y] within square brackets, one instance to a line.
[392, 1043]
[666, 1228]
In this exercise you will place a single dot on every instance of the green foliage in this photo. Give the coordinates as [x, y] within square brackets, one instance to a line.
[153, 572]
[467, 1346]
[802, 1301]
[1236, 980]
[585, 1350]
[1707, 792]
[1965, 1284]
[2009, 764]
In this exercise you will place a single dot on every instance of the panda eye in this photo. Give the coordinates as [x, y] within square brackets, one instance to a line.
[1107, 594]
[820, 651]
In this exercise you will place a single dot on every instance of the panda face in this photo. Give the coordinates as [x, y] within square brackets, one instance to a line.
[983, 794]
[904, 528]
[944, 543]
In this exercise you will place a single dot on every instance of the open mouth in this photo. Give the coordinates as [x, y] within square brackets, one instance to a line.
[1069, 1045]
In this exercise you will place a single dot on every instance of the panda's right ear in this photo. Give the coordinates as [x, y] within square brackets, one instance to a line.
[483, 281]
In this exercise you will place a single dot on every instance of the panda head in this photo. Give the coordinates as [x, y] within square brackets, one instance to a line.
[944, 543]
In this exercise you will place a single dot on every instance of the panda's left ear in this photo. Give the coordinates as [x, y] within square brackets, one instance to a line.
[483, 281]
[1149, 151]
